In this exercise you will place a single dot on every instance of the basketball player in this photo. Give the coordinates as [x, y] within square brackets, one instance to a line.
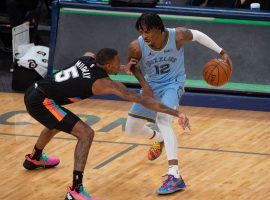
[161, 74]
[84, 77]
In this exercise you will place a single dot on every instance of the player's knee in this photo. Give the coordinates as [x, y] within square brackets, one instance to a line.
[129, 129]
[87, 134]
[133, 126]
[164, 119]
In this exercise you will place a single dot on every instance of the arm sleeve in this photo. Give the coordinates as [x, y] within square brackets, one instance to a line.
[205, 40]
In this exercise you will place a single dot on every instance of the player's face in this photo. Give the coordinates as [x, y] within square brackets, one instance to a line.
[150, 36]
[114, 66]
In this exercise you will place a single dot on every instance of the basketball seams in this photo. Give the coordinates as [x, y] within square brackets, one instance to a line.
[224, 72]
[210, 74]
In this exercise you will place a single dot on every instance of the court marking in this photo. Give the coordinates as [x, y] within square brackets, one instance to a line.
[139, 144]
[115, 156]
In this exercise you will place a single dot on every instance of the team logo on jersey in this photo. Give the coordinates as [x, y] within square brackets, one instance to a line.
[167, 50]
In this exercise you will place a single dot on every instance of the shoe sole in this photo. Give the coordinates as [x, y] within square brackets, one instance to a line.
[30, 166]
[170, 192]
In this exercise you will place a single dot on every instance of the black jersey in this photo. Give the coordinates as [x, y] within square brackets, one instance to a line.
[72, 83]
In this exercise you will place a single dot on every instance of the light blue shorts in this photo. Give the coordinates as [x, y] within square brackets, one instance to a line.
[169, 95]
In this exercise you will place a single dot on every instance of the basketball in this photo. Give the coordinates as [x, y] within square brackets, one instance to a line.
[217, 72]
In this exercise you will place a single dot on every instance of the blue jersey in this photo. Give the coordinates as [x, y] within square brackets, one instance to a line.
[165, 66]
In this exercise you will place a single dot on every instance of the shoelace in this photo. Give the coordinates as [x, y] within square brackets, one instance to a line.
[165, 182]
[155, 146]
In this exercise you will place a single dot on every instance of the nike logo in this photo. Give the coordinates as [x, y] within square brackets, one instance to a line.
[69, 197]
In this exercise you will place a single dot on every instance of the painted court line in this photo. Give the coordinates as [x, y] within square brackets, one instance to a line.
[116, 156]
[138, 144]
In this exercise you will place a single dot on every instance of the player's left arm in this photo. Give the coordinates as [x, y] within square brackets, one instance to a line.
[184, 35]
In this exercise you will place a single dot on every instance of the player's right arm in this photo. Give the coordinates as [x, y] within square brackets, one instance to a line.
[107, 86]
[134, 53]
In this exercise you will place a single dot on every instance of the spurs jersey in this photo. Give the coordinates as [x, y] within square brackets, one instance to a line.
[72, 83]
[164, 66]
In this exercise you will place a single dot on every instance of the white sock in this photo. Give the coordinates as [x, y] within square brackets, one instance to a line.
[173, 170]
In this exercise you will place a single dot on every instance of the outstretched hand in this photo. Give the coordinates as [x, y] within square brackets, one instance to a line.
[127, 68]
[183, 121]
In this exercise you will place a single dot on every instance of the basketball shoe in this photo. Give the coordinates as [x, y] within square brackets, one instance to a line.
[78, 194]
[171, 185]
[43, 162]
[155, 150]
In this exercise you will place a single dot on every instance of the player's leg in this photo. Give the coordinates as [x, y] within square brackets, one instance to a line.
[38, 158]
[85, 136]
[35, 107]
[136, 125]
[174, 181]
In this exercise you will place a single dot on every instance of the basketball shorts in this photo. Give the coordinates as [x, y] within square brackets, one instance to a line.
[169, 95]
[47, 112]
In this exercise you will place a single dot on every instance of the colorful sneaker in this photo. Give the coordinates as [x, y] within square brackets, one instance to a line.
[155, 150]
[79, 194]
[43, 162]
[171, 185]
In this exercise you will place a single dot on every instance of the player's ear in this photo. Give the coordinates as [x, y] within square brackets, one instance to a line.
[109, 67]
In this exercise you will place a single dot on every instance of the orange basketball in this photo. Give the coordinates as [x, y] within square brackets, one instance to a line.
[217, 72]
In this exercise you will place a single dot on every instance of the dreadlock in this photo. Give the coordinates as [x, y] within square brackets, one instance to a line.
[149, 21]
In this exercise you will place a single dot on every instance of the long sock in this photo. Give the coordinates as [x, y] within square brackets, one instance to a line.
[138, 127]
[36, 153]
[170, 140]
[157, 136]
[77, 179]
[173, 170]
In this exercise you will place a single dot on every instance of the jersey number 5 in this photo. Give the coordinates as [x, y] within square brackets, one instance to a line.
[162, 69]
[66, 74]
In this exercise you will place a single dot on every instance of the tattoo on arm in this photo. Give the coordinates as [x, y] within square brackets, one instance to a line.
[148, 102]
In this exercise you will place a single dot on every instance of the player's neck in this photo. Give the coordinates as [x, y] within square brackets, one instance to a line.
[103, 67]
[161, 41]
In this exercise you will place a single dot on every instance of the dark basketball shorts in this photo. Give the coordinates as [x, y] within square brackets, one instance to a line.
[47, 112]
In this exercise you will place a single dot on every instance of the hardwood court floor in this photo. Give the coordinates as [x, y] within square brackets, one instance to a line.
[225, 156]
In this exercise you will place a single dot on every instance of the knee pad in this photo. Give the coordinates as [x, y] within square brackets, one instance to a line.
[164, 119]
[134, 125]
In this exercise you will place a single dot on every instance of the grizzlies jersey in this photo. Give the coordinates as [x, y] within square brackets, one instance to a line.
[72, 83]
[164, 66]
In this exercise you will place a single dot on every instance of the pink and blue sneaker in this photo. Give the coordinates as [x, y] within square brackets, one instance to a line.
[171, 185]
[78, 194]
[43, 162]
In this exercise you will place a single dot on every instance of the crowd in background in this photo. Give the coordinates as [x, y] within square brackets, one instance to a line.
[239, 4]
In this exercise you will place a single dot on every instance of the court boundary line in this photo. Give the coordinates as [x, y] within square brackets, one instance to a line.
[139, 144]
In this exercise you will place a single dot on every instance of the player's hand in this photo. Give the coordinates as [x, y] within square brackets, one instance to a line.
[225, 56]
[124, 69]
[183, 121]
[127, 68]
